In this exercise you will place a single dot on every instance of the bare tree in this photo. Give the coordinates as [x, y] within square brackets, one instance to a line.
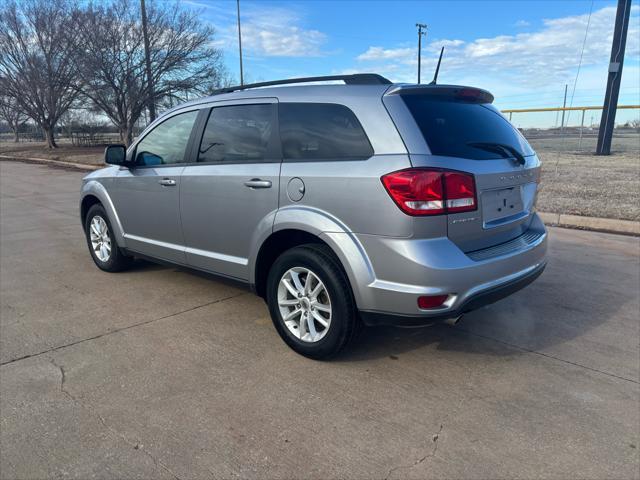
[112, 62]
[11, 112]
[37, 65]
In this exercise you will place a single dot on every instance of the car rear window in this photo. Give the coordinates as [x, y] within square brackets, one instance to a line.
[321, 131]
[451, 126]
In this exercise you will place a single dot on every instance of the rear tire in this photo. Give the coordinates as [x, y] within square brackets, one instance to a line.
[311, 302]
[101, 241]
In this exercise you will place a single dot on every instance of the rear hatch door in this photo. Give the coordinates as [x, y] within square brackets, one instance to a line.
[464, 132]
[506, 198]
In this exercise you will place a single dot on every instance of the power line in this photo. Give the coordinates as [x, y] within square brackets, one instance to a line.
[575, 82]
[584, 42]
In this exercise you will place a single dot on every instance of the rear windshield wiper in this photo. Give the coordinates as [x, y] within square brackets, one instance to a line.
[500, 147]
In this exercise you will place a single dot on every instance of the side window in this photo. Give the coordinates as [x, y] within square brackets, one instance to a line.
[166, 143]
[238, 133]
[319, 131]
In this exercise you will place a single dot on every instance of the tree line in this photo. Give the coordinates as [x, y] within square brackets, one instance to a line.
[57, 55]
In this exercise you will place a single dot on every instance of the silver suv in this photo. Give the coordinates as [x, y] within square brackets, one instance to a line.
[365, 203]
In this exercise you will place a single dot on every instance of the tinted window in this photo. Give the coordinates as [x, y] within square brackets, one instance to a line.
[316, 131]
[450, 127]
[239, 133]
[167, 142]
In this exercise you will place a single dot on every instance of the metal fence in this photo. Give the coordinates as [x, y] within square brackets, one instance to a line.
[575, 128]
[84, 139]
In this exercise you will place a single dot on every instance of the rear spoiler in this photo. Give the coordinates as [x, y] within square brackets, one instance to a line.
[458, 92]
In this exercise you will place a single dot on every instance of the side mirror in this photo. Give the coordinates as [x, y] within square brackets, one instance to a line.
[115, 155]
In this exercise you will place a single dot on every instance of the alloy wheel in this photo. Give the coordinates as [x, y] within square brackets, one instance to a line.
[305, 305]
[100, 239]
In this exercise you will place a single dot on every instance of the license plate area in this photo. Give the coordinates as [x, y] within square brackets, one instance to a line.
[502, 206]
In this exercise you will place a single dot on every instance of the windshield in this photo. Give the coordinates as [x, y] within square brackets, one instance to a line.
[456, 128]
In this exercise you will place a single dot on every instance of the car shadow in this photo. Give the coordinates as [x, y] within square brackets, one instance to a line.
[556, 308]
[141, 265]
[575, 294]
[151, 265]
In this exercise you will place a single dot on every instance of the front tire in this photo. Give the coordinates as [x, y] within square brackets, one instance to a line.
[311, 302]
[101, 241]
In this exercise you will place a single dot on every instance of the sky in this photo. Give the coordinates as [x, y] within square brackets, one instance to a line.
[524, 52]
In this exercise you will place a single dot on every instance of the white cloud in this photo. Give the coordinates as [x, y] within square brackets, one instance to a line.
[547, 56]
[273, 32]
[286, 41]
[379, 53]
[406, 55]
[521, 23]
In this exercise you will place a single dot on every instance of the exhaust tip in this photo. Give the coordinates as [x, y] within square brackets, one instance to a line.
[453, 321]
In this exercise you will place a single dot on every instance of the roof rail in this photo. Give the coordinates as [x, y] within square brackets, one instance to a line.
[355, 79]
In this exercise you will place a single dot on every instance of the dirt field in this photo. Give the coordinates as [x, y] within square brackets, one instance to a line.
[574, 181]
[580, 183]
[65, 152]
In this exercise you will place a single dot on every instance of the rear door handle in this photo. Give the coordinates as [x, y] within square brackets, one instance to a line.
[167, 182]
[258, 183]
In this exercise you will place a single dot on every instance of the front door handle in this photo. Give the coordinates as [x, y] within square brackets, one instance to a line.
[258, 183]
[167, 182]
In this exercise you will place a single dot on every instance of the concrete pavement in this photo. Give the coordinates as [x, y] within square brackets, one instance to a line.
[160, 372]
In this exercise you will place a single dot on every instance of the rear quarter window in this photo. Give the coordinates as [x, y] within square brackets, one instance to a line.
[320, 131]
[449, 126]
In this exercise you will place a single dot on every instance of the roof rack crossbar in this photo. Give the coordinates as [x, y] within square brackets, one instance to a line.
[354, 79]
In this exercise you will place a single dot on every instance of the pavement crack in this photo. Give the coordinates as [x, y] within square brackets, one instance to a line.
[63, 379]
[546, 355]
[136, 445]
[434, 438]
[128, 327]
[430, 454]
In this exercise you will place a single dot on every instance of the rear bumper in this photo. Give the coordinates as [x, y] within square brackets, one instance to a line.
[473, 302]
[403, 269]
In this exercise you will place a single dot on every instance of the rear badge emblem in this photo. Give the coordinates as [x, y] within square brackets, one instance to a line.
[520, 176]
[464, 220]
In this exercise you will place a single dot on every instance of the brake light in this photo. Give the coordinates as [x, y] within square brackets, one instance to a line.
[419, 191]
[474, 95]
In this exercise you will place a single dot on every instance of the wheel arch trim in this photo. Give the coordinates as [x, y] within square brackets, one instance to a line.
[96, 189]
[329, 230]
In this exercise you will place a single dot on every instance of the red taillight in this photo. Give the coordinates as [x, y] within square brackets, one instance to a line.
[460, 192]
[419, 191]
[431, 301]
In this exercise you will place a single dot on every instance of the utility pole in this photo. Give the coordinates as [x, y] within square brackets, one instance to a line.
[564, 105]
[581, 127]
[607, 122]
[240, 43]
[422, 30]
[147, 59]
